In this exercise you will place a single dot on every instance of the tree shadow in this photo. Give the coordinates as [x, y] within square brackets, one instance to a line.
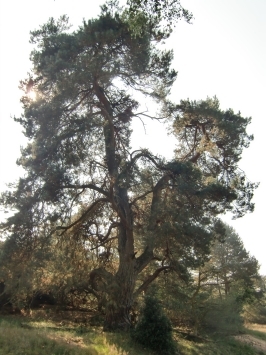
[125, 345]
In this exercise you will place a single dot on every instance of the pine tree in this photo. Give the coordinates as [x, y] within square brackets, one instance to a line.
[154, 330]
[82, 178]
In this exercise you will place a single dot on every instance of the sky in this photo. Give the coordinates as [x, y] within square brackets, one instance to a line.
[222, 53]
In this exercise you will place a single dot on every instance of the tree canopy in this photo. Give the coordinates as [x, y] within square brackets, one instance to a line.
[82, 179]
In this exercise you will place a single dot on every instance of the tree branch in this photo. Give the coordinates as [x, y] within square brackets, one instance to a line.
[140, 197]
[103, 243]
[102, 274]
[195, 158]
[104, 238]
[87, 186]
[151, 278]
[83, 215]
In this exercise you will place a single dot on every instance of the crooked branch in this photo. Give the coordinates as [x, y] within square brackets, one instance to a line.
[86, 186]
[151, 278]
[92, 206]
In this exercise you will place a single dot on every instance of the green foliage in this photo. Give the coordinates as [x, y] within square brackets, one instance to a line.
[160, 16]
[223, 315]
[218, 291]
[154, 330]
[232, 267]
[255, 309]
[123, 212]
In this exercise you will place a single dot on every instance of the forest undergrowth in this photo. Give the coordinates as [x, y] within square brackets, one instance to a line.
[46, 333]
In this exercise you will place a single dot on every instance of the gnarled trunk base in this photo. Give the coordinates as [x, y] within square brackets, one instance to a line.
[117, 319]
[120, 298]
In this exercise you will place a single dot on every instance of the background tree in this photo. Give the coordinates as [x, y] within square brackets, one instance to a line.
[83, 179]
[218, 291]
[231, 266]
[255, 310]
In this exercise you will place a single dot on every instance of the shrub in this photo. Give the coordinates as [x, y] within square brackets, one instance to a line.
[154, 329]
[223, 316]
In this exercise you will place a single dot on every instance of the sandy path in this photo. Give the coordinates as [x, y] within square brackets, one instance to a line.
[258, 344]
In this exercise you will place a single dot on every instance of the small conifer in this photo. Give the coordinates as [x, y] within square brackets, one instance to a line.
[154, 329]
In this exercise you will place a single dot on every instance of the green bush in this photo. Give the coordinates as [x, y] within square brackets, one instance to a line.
[154, 330]
[223, 316]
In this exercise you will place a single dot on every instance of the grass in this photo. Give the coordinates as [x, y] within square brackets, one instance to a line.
[29, 336]
[65, 338]
[257, 330]
[222, 346]
[20, 339]
[213, 344]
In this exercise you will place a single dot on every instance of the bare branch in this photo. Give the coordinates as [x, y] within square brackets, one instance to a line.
[149, 116]
[104, 238]
[104, 242]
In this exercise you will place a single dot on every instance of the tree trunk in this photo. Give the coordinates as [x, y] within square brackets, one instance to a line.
[120, 288]
[120, 294]
[120, 297]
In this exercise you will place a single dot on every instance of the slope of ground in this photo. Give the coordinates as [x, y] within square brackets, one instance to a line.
[35, 335]
[255, 337]
[253, 341]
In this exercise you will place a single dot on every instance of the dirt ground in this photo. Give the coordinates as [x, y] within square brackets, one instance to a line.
[258, 344]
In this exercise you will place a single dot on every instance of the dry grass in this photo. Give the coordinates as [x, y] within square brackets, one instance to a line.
[21, 339]
[216, 346]
[258, 327]
[42, 337]
[36, 336]
[257, 331]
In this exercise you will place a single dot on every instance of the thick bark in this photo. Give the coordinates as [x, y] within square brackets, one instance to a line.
[120, 288]
[120, 298]
[122, 294]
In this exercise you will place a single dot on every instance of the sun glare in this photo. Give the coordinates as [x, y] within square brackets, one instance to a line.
[32, 95]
